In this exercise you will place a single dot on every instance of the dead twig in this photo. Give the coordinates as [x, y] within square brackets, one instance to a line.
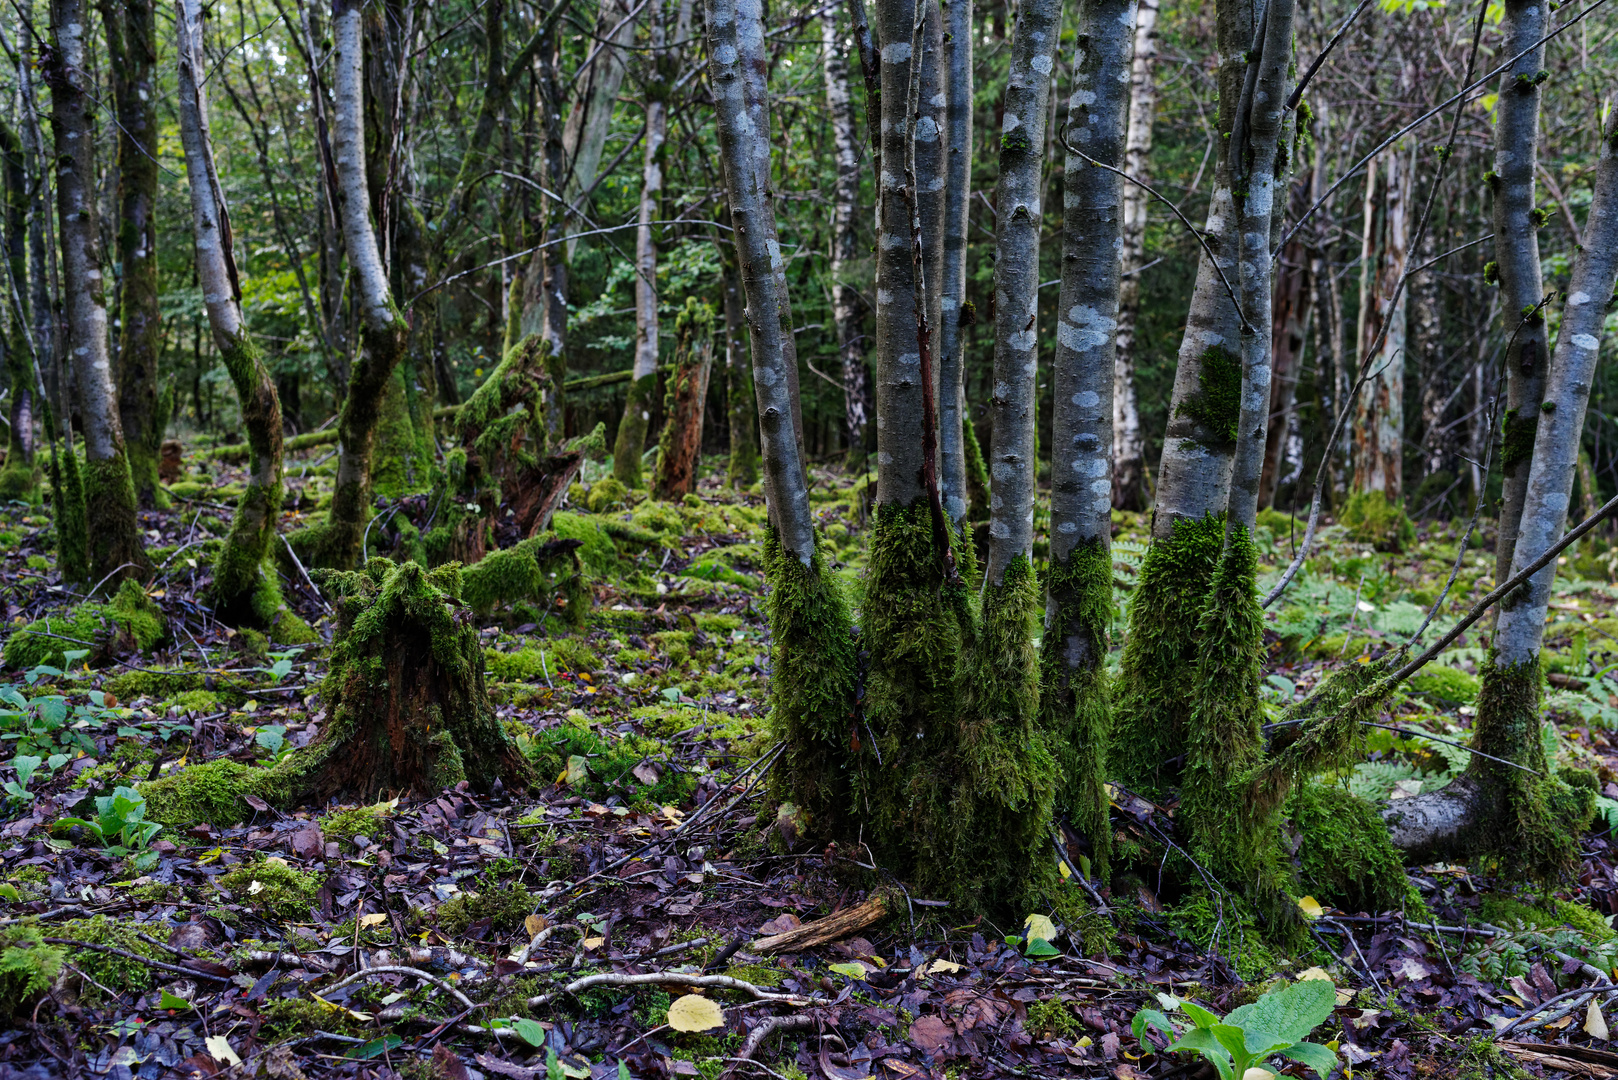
[400, 969]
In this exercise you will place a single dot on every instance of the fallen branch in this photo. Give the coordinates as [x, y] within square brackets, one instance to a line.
[822, 931]
[399, 969]
[756, 1038]
[188, 972]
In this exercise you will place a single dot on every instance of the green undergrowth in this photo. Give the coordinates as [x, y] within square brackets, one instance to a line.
[1344, 857]
[599, 765]
[342, 826]
[1545, 913]
[28, 966]
[1371, 519]
[272, 887]
[505, 906]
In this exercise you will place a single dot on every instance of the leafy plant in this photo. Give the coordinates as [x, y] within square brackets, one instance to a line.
[1273, 1026]
[26, 765]
[47, 726]
[121, 825]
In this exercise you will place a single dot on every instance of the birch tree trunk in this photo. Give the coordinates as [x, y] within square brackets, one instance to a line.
[246, 588]
[813, 651]
[115, 544]
[1532, 822]
[1078, 598]
[643, 378]
[742, 470]
[384, 334]
[1152, 695]
[131, 46]
[1289, 334]
[1128, 441]
[1379, 410]
[590, 119]
[955, 314]
[1516, 252]
[847, 308]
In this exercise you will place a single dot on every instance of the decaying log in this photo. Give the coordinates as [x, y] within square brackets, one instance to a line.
[823, 931]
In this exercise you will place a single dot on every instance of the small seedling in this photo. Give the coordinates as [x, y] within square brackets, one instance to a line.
[1273, 1026]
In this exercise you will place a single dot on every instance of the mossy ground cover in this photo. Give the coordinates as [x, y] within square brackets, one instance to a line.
[645, 696]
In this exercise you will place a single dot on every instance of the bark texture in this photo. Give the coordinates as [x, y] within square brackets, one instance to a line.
[758, 253]
[115, 546]
[742, 469]
[1013, 464]
[1128, 441]
[1289, 331]
[1516, 252]
[246, 588]
[132, 48]
[1078, 600]
[1384, 254]
[847, 307]
[585, 133]
[956, 315]
[20, 477]
[680, 448]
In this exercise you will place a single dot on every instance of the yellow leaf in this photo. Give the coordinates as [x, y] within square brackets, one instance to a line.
[693, 1012]
[219, 1049]
[1086, 1041]
[853, 971]
[593, 942]
[1039, 928]
[533, 924]
[372, 920]
[1311, 907]
[945, 966]
[1313, 973]
[1595, 1025]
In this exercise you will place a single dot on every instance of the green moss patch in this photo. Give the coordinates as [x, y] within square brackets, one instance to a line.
[505, 906]
[130, 621]
[272, 887]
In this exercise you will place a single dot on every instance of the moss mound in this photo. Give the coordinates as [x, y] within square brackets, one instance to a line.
[206, 793]
[505, 906]
[1371, 519]
[1344, 857]
[272, 887]
[128, 622]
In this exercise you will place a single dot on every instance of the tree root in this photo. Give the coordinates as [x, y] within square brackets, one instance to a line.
[831, 928]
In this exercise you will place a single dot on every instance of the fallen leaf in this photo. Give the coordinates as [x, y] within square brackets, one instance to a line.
[1310, 907]
[853, 971]
[1313, 973]
[930, 1034]
[1039, 928]
[693, 1012]
[1595, 1025]
[219, 1049]
[372, 920]
[1411, 969]
[646, 773]
[533, 924]
[942, 966]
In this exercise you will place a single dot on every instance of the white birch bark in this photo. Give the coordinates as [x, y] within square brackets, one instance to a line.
[1521, 623]
[759, 253]
[590, 119]
[651, 195]
[1087, 320]
[953, 318]
[1385, 250]
[1263, 127]
[216, 272]
[846, 304]
[1128, 441]
[1516, 248]
[1194, 476]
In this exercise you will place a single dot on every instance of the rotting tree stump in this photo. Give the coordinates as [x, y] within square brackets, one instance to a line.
[405, 697]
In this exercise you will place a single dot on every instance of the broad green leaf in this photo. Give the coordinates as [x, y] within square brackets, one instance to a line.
[280, 668]
[532, 1032]
[853, 971]
[9, 892]
[1234, 1039]
[172, 1001]
[1039, 947]
[1202, 1041]
[1151, 1018]
[1199, 1016]
[1319, 1058]
[25, 766]
[1292, 1012]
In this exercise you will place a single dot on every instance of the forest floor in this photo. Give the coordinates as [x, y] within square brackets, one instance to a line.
[499, 935]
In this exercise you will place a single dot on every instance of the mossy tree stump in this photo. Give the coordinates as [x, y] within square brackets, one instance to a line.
[405, 694]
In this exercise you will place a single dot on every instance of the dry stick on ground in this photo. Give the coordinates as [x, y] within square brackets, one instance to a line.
[1445, 152]
[756, 1038]
[831, 928]
[190, 973]
[399, 969]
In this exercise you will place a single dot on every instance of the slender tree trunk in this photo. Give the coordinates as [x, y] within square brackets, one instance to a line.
[246, 588]
[847, 308]
[768, 310]
[547, 284]
[1532, 822]
[590, 120]
[115, 543]
[20, 477]
[1128, 440]
[1153, 695]
[1289, 333]
[384, 334]
[1078, 599]
[680, 448]
[956, 315]
[643, 379]
[1379, 414]
[1516, 252]
[1012, 459]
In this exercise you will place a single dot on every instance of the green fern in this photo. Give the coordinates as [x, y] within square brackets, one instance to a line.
[28, 966]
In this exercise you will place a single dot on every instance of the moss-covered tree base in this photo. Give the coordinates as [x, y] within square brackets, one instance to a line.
[406, 703]
[1155, 677]
[1343, 855]
[631, 441]
[129, 622]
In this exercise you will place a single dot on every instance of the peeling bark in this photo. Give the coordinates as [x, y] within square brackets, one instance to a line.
[680, 448]
[847, 307]
[1385, 252]
[955, 315]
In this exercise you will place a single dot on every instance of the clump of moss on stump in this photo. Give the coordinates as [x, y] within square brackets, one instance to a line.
[130, 621]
